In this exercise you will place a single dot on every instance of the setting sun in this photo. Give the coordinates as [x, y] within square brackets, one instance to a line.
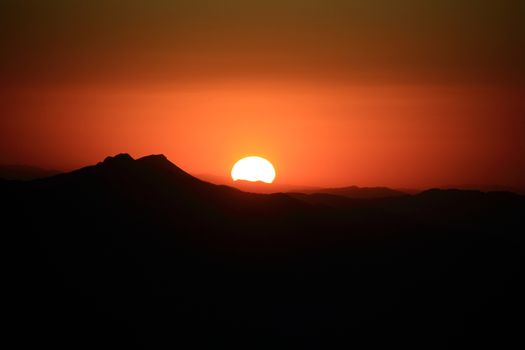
[253, 169]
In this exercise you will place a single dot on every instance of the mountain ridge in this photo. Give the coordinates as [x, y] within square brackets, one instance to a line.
[162, 163]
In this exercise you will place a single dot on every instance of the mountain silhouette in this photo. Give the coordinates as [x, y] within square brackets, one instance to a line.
[137, 253]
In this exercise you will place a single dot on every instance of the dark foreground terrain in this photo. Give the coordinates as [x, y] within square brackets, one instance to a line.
[138, 254]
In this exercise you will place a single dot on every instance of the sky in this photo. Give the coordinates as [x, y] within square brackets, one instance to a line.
[333, 93]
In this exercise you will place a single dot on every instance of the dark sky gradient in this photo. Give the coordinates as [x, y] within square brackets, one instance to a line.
[461, 40]
[400, 93]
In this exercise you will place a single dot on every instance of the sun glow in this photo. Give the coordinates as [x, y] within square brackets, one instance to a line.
[253, 169]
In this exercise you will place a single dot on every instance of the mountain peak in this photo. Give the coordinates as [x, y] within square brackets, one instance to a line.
[155, 158]
[160, 162]
[119, 158]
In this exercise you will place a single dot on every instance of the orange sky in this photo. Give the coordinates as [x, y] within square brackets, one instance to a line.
[333, 92]
[314, 134]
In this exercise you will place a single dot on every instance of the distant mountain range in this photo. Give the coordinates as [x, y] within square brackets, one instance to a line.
[359, 192]
[137, 253]
[348, 191]
[24, 172]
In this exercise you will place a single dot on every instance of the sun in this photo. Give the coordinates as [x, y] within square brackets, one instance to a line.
[253, 169]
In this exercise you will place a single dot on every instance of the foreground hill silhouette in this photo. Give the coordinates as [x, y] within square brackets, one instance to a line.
[139, 254]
